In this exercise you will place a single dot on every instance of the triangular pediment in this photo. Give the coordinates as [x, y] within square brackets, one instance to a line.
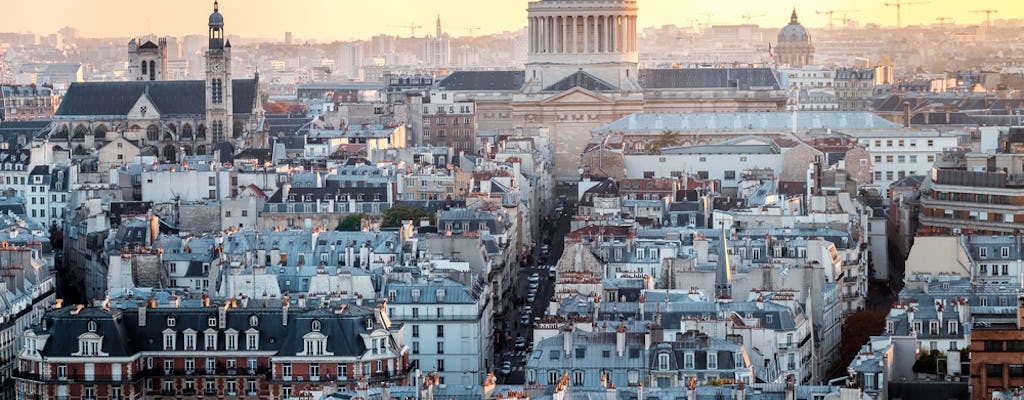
[577, 95]
[144, 108]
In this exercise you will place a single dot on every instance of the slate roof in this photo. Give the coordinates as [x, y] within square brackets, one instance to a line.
[454, 292]
[781, 121]
[483, 80]
[709, 78]
[122, 335]
[581, 79]
[11, 130]
[169, 97]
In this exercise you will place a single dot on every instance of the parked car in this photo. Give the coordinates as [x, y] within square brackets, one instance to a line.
[520, 342]
[531, 297]
[506, 368]
[535, 277]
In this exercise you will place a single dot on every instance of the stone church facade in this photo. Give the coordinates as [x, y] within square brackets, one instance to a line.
[172, 119]
[583, 72]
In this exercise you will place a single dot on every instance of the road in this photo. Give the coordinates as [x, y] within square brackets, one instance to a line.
[551, 235]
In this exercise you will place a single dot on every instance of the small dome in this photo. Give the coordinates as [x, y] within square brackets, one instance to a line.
[216, 19]
[794, 32]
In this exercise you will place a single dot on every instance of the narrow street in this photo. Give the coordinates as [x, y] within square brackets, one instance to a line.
[520, 322]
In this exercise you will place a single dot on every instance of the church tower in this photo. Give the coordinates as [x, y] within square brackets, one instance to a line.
[147, 61]
[218, 81]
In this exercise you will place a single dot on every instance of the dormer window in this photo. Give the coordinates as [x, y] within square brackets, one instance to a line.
[315, 344]
[712, 360]
[663, 362]
[211, 321]
[254, 321]
[89, 344]
[315, 325]
[252, 339]
[92, 326]
[369, 323]
[170, 320]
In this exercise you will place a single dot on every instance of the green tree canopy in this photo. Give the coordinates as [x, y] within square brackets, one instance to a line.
[351, 223]
[394, 216]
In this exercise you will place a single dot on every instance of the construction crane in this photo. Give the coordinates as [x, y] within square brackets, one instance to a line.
[747, 17]
[942, 21]
[830, 12]
[708, 16]
[988, 16]
[412, 28]
[899, 5]
[469, 29]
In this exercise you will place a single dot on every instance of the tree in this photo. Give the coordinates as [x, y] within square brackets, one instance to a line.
[351, 223]
[668, 138]
[394, 216]
[858, 328]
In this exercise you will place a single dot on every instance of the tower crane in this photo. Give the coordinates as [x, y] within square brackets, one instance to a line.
[748, 17]
[412, 28]
[830, 12]
[469, 29]
[942, 21]
[988, 16]
[899, 5]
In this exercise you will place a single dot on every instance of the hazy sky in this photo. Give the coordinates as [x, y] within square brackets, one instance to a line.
[359, 19]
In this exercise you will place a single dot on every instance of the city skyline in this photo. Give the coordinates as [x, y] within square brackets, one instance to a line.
[326, 20]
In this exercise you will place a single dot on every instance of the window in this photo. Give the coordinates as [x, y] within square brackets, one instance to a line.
[190, 365]
[217, 91]
[730, 175]
[415, 329]
[415, 347]
[168, 366]
[712, 360]
[314, 372]
[286, 371]
[878, 159]
[211, 365]
[315, 325]
[1004, 252]
[440, 365]
[663, 362]
[252, 340]
[170, 320]
[62, 371]
[231, 339]
[688, 360]
[983, 253]
[931, 142]
[440, 347]
[440, 331]
[953, 328]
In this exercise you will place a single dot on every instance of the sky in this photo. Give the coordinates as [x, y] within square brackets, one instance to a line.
[329, 20]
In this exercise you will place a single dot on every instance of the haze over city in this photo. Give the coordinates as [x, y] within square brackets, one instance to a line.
[327, 20]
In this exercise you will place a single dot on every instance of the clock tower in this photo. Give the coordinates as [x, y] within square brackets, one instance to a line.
[218, 81]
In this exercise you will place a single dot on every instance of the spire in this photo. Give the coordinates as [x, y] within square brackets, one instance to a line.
[792, 18]
[438, 25]
[215, 6]
[723, 275]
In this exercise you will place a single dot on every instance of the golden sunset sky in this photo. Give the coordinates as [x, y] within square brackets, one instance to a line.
[359, 19]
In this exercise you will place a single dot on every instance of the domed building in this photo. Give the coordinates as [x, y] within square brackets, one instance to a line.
[794, 47]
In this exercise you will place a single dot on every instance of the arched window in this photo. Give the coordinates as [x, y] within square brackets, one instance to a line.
[152, 133]
[170, 153]
[168, 137]
[92, 326]
[237, 129]
[254, 321]
[201, 133]
[170, 320]
[211, 320]
[217, 91]
[315, 325]
[81, 130]
[218, 131]
[172, 128]
[144, 68]
[152, 70]
[100, 130]
[186, 132]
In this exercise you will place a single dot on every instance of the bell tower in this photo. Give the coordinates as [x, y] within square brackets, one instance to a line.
[218, 81]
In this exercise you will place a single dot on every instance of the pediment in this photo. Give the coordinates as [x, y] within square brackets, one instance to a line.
[577, 95]
[144, 108]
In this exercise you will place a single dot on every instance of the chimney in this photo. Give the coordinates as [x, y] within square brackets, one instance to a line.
[223, 315]
[152, 302]
[741, 390]
[647, 338]
[620, 340]
[790, 387]
[142, 314]
[906, 114]
[285, 304]
[643, 301]
[206, 300]
[567, 341]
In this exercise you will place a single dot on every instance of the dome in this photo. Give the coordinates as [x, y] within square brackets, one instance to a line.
[794, 32]
[216, 19]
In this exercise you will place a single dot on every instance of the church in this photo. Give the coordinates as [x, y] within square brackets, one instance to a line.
[171, 118]
[583, 72]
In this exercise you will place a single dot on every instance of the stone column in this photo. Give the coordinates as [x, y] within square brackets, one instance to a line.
[586, 37]
[529, 35]
[565, 43]
[575, 24]
[597, 34]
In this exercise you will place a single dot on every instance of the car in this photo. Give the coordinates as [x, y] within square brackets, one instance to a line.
[525, 320]
[520, 342]
[535, 277]
[534, 285]
[506, 368]
[536, 319]
[531, 297]
[528, 309]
